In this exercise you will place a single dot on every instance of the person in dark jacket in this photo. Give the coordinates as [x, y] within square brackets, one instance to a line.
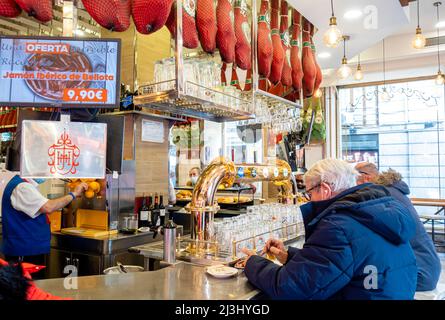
[428, 263]
[357, 244]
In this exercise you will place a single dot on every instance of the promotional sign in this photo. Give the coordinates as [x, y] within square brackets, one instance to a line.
[54, 149]
[38, 71]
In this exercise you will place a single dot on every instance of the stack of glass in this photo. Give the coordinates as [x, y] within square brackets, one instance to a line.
[202, 80]
[253, 229]
[278, 116]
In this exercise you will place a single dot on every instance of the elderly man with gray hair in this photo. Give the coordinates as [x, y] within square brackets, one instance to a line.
[357, 243]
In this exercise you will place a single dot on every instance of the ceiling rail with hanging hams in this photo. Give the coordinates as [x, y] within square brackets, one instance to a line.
[259, 45]
[265, 45]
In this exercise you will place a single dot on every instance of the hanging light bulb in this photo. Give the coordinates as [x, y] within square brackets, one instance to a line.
[332, 36]
[419, 40]
[440, 79]
[384, 95]
[344, 71]
[358, 75]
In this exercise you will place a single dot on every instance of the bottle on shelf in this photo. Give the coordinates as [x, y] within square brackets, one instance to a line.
[151, 209]
[156, 212]
[144, 216]
[161, 209]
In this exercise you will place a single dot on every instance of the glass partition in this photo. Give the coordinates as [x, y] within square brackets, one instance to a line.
[401, 129]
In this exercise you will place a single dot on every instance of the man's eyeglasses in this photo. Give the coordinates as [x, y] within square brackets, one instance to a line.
[308, 192]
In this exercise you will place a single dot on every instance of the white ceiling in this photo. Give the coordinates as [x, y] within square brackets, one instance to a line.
[391, 19]
[427, 16]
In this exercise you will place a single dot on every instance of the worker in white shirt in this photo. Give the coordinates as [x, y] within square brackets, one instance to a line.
[26, 229]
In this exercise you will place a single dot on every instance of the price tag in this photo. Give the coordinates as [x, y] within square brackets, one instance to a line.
[85, 95]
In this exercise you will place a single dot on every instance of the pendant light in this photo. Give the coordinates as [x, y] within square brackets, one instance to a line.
[344, 71]
[358, 75]
[419, 40]
[440, 77]
[332, 36]
[385, 97]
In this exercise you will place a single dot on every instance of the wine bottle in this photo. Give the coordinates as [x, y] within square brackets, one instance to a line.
[151, 209]
[144, 214]
[156, 212]
[162, 210]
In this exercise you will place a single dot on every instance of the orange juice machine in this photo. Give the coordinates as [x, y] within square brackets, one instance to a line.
[98, 211]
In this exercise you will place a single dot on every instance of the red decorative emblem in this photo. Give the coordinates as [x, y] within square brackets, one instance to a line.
[63, 156]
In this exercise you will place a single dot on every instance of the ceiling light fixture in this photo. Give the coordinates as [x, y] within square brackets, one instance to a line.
[419, 39]
[358, 75]
[332, 36]
[352, 14]
[440, 77]
[344, 71]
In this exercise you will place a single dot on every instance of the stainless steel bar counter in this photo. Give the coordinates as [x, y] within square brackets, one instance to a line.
[182, 281]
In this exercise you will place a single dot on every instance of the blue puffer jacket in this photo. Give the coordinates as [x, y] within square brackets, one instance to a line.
[357, 247]
[428, 263]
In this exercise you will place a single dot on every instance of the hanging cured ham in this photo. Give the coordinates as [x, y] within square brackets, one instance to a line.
[206, 24]
[150, 15]
[113, 15]
[9, 9]
[264, 42]
[295, 62]
[278, 52]
[309, 68]
[243, 50]
[225, 35]
[223, 74]
[286, 76]
[319, 75]
[42, 10]
[189, 33]
[234, 80]
[248, 83]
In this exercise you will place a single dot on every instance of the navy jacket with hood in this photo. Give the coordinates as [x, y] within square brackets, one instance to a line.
[428, 263]
[357, 247]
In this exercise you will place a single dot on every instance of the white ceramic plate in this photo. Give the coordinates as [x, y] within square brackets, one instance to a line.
[222, 271]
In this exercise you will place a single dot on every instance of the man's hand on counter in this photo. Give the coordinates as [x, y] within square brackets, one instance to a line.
[273, 247]
[276, 247]
[80, 189]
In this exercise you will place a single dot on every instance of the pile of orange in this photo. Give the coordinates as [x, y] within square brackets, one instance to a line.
[93, 186]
